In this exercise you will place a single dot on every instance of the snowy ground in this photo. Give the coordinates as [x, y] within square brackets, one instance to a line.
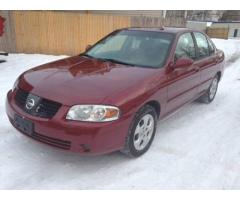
[198, 147]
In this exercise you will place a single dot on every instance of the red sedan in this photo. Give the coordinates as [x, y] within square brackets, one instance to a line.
[110, 97]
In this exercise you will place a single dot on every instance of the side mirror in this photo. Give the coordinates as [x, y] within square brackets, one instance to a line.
[88, 47]
[183, 62]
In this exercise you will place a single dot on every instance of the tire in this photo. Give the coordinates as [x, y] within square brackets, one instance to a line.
[141, 132]
[210, 94]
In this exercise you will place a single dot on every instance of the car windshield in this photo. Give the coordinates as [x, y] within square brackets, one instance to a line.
[138, 48]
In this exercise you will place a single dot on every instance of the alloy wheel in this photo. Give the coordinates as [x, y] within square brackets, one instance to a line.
[143, 132]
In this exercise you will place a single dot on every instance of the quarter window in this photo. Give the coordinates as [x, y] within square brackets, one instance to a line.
[202, 44]
[185, 47]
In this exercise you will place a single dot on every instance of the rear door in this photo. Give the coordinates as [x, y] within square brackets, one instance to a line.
[207, 60]
[183, 83]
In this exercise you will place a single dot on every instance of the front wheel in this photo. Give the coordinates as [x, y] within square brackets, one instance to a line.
[210, 94]
[141, 132]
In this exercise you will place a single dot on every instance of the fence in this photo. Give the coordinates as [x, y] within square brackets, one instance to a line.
[218, 32]
[61, 32]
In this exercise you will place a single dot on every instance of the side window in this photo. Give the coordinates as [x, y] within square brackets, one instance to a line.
[185, 47]
[211, 47]
[202, 44]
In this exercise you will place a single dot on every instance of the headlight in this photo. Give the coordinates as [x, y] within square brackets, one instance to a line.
[93, 113]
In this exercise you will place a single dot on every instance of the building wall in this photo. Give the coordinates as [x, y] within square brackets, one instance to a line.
[231, 33]
[130, 13]
[69, 32]
[201, 26]
[145, 13]
[230, 26]
[218, 30]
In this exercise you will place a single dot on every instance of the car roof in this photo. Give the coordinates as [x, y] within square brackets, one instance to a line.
[175, 30]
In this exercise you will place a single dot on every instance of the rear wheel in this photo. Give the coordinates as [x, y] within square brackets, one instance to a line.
[141, 132]
[209, 96]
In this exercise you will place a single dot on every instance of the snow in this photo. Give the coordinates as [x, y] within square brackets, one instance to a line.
[197, 148]
[230, 47]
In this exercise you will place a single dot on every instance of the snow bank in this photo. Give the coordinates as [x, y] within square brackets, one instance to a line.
[231, 47]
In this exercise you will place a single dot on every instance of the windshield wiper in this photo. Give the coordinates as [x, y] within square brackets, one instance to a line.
[108, 60]
[117, 61]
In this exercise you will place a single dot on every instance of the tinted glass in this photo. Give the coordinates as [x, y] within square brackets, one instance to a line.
[140, 48]
[202, 45]
[185, 47]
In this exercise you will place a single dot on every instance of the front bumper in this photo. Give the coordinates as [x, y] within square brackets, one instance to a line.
[83, 137]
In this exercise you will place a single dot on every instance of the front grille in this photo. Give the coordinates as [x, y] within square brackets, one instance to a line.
[44, 108]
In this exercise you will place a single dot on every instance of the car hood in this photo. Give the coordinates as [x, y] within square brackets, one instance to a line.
[82, 80]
